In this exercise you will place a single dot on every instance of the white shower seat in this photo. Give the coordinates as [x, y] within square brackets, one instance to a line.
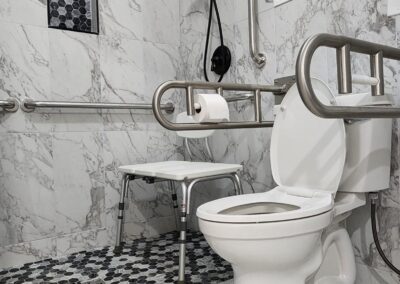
[183, 172]
[187, 174]
[180, 170]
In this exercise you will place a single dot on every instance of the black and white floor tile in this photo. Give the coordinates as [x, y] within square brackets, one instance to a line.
[142, 261]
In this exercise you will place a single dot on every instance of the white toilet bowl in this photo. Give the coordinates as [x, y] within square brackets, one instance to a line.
[267, 242]
[284, 235]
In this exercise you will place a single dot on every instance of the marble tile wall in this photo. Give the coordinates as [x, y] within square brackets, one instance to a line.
[282, 31]
[59, 184]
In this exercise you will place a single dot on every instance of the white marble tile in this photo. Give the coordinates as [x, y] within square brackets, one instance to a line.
[159, 14]
[161, 63]
[122, 80]
[121, 19]
[151, 228]
[367, 275]
[24, 70]
[28, 12]
[22, 253]
[26, 188]
[164, 145]
[82, 241]
[74, 66]
[78, 181]
[294, 23]
[143, 20]
[25, 61]
[75, 76]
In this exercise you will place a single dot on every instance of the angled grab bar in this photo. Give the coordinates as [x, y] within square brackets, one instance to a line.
[345, 45]
[189, 87]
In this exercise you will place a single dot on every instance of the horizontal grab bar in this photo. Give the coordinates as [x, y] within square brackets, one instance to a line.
[191, 106]
[29, 105]
[345, 45]
[9, 105]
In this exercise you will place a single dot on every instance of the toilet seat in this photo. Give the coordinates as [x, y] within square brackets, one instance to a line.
[279, 204]
[307, 161]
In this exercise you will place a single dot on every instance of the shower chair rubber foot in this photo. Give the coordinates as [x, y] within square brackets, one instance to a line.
[118, 249]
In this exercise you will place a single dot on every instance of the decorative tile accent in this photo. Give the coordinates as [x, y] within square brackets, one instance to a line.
[76, 15]
[142, 261]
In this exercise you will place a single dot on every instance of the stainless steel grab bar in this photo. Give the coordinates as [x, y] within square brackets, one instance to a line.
[29, 105]
[9, 105]
[345, 45]
[258, 57]
[219, 88]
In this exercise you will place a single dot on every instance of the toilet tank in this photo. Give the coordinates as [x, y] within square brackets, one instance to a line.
[368, 154]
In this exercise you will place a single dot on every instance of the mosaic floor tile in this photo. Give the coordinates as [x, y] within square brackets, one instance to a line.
[142, 261]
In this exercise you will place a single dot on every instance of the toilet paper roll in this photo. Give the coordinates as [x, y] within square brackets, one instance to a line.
[213, 108]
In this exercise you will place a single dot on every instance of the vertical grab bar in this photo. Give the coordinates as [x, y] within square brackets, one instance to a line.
[257, 56]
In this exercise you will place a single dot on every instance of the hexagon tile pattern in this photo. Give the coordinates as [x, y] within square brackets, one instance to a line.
[141, 261]
[76, 15]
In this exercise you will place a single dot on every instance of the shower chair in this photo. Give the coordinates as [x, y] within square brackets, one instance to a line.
[187, 174]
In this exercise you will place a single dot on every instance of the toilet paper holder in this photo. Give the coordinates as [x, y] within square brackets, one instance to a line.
[279, 89]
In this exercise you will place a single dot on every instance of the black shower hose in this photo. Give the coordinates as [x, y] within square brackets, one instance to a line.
[213, 3]
[373, 198]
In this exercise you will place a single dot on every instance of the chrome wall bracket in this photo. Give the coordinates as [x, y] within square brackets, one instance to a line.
[9, 105]
[345, 45]
[219, 88]
[287, 82]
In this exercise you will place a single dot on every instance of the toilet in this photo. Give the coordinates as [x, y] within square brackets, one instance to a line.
[323, 169]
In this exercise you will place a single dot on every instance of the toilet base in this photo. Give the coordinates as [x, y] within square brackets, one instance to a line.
[299, 275]
[338, 265]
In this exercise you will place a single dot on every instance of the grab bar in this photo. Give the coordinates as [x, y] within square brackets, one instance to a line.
[29, 105]
[9, 105]
[258, 57]
[189, 87]
[345, 45]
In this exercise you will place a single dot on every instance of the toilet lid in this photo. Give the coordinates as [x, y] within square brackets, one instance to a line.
[307, 151]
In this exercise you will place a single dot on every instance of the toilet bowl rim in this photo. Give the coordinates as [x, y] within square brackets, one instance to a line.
[308, 206]
[266, 230]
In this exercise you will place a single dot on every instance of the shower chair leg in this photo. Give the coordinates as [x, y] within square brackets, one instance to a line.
[121, 210]
[174, 202]
[238, 184]
[182, 236]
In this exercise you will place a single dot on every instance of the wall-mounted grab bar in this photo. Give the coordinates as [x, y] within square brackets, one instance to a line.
[219, 88]
[29, 105]
[343, 46]
[258, 57]
[9, 105]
